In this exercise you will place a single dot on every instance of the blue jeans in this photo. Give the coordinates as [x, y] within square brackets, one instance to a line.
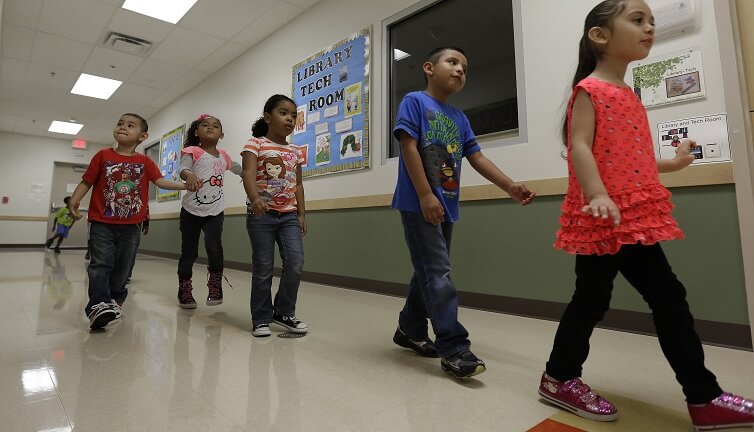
[264, 231]
[112, 253]
[431, 292]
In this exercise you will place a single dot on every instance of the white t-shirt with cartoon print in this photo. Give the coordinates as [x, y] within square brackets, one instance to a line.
[209, 200]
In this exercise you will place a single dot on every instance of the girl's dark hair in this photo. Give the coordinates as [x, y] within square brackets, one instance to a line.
[259, 129]
[601, 16]
[191, 138]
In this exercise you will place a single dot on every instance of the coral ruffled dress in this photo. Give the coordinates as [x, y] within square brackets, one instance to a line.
[626, 161]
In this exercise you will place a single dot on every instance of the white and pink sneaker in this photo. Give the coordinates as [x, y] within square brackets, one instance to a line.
[727, 411]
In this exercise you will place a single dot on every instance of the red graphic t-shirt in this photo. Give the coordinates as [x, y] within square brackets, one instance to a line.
[120, 188]
[626, 162]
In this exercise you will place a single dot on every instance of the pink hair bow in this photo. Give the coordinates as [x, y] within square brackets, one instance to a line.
[203, 116]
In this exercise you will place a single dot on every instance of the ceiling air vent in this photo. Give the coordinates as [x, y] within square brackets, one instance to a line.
[127, 44]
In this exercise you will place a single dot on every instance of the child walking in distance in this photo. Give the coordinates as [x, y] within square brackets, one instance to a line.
[62, 225]
[614, 216]
[118, 205]
[434, 138]
[275, 214]
[203, 167]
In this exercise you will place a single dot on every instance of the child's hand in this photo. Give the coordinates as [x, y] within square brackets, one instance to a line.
[520, 193]
[601, 206]
[259, 207]
[432, 209]
[74, 209]
[193, 183]
[683, 154]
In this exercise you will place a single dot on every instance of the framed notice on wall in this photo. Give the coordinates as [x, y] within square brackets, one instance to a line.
[170, 155]
[331, 91]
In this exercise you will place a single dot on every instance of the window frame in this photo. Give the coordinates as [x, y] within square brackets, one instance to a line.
[492, 140]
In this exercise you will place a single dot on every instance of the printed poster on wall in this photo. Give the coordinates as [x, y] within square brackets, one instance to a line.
[331, 90]
[672, 78]
[710, 133]
[170, 155]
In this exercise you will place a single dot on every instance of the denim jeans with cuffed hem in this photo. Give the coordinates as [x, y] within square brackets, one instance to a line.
[112, 249]
[431, 292]
[265, 231]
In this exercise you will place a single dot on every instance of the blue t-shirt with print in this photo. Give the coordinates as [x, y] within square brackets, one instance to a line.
[444, 137]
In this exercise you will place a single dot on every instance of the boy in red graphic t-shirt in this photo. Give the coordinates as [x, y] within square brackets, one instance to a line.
[119, 178]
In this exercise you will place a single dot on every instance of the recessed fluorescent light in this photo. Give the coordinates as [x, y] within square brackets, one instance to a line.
[400, 55]
[166, 10]
[94, 86]
[65, 127]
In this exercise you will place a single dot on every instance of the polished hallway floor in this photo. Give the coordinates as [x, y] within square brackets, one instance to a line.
[161, 368]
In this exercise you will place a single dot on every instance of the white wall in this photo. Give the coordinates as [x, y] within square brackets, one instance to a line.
[551, 30]
[28, 160]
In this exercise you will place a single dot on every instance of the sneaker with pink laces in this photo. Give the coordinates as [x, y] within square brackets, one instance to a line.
[575, 396]
[726, 411]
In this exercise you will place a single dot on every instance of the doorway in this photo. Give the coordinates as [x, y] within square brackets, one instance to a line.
[65, 178]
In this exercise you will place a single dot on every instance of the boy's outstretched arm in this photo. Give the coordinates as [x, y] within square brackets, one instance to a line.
[166, 184]
[432, 209]
[518, 191]
[78, 194]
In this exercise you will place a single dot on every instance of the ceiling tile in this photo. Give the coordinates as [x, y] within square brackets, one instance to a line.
[65, 18]
[157, 74]
[24, 13]
[133, 97]
[13, 70]
[186, 47]
[51, 77]
[223, 18]
[143, 27]
[7, 122]
[186, 83]
[221, 57]
[8, 106]
[305, 4]
[81, 108]
[265, 25]
[57, 51]
[17, 42]
[102, 60]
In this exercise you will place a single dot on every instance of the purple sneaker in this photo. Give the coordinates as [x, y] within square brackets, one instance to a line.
[576, 397]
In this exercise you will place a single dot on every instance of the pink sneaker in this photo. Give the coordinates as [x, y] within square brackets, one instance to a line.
[576, 397]
[724, 412]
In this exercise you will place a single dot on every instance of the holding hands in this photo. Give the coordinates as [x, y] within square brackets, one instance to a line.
[193, 183]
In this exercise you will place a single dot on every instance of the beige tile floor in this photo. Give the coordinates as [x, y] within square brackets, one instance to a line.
[165, 369]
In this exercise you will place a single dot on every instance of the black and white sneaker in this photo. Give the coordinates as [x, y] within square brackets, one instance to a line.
[424, 347]
[463, 365]
[117, 308]
[290, 323]
[261, 330]
[100, 315]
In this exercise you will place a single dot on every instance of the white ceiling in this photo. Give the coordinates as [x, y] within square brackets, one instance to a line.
[46, 44]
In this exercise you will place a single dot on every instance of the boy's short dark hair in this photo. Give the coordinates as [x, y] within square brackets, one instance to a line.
[66, 200]
[144, 124]
[436, 53]
[434, 56]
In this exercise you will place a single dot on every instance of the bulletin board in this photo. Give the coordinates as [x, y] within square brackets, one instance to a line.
[170, 155]
[331, 91]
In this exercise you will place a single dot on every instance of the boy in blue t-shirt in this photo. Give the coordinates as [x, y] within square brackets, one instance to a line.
[434, 138]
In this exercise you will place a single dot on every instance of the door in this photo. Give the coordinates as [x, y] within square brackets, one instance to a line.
[65, 178]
